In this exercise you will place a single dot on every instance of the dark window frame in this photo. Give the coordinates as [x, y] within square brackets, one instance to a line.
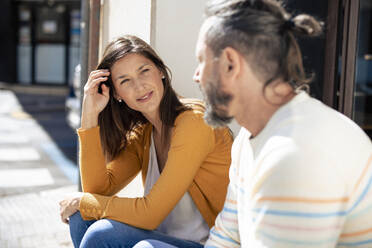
[340, 94]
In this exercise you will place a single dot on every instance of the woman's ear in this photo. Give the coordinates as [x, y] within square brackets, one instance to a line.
[116, 97]
[161, 74]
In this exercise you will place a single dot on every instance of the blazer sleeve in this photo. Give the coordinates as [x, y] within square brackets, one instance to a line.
[191, 141]
[96, 176]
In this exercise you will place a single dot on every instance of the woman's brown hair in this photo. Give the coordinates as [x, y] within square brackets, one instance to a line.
[117, 121]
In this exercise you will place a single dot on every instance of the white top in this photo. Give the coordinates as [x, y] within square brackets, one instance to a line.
[185, 220]
[303, 181]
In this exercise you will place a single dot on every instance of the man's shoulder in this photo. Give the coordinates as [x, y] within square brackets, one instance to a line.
[314, 141]
[312, 123]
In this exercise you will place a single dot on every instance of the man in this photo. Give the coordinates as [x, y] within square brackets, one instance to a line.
[301, 172]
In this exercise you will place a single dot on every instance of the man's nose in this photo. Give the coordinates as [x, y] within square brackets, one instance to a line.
[196, 76]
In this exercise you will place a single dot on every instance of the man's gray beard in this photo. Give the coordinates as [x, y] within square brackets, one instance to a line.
[215, 99]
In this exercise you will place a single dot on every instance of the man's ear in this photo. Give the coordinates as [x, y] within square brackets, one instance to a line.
[230, 63]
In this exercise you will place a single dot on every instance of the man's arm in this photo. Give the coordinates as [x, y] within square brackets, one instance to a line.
[225, 232]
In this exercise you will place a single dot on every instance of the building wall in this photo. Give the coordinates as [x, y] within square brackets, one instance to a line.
[125, 17]
[176, 32]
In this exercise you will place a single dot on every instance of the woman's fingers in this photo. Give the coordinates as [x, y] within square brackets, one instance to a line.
[62, 211]
[64, 219]
[97, 73]
[105, 90]
[69, 206]
[93, 84]
[61, 203]
[95, 101]
[100, 75]
[66, 211]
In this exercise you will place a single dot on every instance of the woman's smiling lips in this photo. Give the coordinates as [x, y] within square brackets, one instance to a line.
[146, 97]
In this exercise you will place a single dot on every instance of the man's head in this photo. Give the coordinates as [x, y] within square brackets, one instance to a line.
[244, 48]
[207, 74]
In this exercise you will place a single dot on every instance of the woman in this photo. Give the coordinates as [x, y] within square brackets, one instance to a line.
[133, 121]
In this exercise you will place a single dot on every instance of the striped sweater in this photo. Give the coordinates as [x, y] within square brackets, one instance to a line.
[303, 181]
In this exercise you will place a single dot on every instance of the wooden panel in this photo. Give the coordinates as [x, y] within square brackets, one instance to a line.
[330, 56]
[351, 58]
[346, 9]
[94, 27]
[348, 58]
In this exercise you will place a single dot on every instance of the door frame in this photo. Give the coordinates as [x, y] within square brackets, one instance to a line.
[341, 35]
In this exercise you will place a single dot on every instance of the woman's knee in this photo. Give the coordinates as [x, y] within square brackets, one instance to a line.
[78, 227]
[98, 234]
[143, 244]
[78, 224]
[110, 233]
[151, 243]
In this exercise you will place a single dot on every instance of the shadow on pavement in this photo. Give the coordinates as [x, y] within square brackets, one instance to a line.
[49, 111]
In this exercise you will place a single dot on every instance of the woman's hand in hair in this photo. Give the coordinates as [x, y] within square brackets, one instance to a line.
[94, 101]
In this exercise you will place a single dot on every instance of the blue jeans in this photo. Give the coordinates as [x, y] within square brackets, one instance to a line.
[151, 243]
[107, 233]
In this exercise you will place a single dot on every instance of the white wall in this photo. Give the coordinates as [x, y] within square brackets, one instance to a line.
[177, 26]
[121, 17]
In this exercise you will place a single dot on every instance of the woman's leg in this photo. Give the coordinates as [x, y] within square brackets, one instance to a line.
[151, 243]
[78, 227]
[109, 233]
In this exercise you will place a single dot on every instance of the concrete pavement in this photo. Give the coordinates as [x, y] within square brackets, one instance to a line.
[37, 168]
[34, 175]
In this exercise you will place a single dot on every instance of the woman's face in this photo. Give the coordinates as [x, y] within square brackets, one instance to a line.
[138, 82]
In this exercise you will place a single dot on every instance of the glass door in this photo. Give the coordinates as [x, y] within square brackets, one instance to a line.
[362, 102]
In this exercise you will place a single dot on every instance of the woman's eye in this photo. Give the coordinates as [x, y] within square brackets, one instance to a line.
[145, 70]
[124, 81]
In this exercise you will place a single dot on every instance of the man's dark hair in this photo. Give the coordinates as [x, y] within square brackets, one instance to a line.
[264, 32]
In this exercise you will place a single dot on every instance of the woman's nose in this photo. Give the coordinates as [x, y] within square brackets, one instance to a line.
[139, 84]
